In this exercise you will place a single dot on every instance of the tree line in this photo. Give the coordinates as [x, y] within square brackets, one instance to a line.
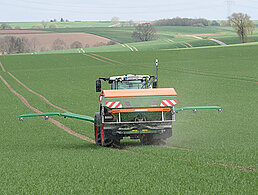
[13, 44]
[185, 22]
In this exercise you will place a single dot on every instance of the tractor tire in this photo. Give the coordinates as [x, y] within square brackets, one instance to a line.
[105, 141]
[146, 139]
[116, 144]
[97, 128]
[159, 142]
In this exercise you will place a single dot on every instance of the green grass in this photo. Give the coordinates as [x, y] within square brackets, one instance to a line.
[38, 157]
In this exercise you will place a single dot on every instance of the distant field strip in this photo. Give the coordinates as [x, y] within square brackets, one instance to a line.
[170, 40]
[217, 41]
[2, 67]
[188, 44]
[218, 75]
[26, 103]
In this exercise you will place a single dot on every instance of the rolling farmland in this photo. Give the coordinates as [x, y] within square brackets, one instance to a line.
[209, 152]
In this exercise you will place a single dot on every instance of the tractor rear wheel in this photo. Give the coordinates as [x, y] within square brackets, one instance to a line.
[97, 128]
[146, 139]
[105, 141]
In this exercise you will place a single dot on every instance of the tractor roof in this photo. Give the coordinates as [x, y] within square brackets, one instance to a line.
[139, 92]
[129, 77]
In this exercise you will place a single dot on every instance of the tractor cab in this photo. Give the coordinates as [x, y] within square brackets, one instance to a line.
[129, 81]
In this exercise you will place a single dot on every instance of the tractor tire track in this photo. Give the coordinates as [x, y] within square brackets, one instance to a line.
[107, 58]
[60, 125]
[98, 59]
[2, 67]
[129, 47]
[41, 96]
[37, 94]
[68, 130]
[233, 166]
[135, 48]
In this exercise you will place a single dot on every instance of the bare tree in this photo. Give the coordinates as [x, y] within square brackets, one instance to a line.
[144, 32]
[5, 26]
[59, 44]
[131, 23]
[44, 24]
[76, 44]
[52, 26]
[12, 44]
[242, 25]
[34, 44]
[115, 20]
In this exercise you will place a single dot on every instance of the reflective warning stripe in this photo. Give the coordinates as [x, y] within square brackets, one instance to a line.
[114, 104]
[166, 103]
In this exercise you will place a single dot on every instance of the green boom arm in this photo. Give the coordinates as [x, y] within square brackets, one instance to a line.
[66, 114]
[90, 119]
[195, 108]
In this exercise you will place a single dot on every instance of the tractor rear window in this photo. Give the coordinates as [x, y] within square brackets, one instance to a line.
[131, 85]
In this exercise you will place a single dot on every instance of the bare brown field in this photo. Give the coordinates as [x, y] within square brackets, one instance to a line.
[44, 41]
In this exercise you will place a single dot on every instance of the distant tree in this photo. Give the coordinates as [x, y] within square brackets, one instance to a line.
[44, 24]
[144, 32]
[225, 23]
[62, 20]
[51, 20]
[21, 45]
[34, 44]
[111, 43]
[59, 44]
[5, 26]
[131, 22]
[17, 27]
[38, 26]
[52, 26]
[54, 20]
[12, 44]
[99, 44]
[66, 20]
[242, 25]
[115, 20]
[215, 23]
[76, 44]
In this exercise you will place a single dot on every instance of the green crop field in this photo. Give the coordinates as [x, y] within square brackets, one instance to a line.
[209, 152]
[29, 25]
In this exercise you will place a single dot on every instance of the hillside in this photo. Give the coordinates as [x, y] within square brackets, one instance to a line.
[208, 153]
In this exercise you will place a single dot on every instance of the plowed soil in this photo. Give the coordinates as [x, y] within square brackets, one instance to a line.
[45, 40]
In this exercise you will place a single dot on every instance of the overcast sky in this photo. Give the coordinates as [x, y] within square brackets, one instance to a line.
[137, 10]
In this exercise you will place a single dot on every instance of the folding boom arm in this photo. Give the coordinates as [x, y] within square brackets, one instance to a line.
[196, 108]
[66, 114]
